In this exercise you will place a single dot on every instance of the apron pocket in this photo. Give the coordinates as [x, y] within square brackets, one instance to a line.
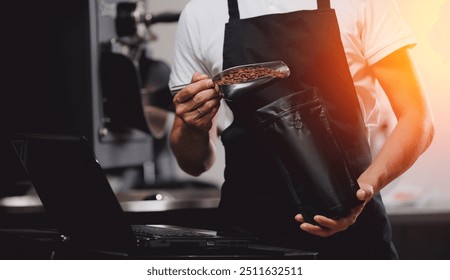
[296, 131]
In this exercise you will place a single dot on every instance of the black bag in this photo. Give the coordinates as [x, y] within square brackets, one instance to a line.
[297, 132]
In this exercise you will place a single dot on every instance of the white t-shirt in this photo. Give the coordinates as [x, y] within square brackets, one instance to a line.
[370, 30]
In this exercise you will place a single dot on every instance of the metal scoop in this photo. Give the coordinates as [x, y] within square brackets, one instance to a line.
[239, 79]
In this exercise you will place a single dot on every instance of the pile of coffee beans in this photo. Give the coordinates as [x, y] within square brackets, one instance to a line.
[242, 75]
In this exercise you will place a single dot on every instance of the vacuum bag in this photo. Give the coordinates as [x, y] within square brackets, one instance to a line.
[296, 130]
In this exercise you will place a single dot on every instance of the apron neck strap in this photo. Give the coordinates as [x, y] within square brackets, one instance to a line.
[323, 4]
[233, 8]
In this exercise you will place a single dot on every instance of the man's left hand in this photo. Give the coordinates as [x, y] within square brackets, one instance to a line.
[327, 227]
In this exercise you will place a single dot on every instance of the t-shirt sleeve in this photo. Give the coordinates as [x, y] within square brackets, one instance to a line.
[385, 30]
[185, 58]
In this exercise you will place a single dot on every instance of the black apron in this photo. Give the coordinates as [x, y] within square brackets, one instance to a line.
[256, 198]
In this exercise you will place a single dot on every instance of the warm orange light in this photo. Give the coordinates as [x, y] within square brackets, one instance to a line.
[430, 22]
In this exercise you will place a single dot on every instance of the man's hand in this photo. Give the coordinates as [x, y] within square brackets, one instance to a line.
[197, 103]
[327, 226]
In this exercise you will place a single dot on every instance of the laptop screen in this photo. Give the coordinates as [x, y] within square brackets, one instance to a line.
[75, 192]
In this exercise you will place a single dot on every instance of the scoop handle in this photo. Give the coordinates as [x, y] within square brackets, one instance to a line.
[174, 90]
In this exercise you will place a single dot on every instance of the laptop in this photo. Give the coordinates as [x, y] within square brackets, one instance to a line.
[75, 192]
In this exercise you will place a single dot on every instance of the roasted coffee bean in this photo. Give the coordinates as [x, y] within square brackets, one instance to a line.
[243, 75]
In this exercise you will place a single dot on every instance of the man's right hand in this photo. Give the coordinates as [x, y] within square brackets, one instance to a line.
[197, 103]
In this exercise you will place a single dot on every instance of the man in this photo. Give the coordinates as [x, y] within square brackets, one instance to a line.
[373, 41]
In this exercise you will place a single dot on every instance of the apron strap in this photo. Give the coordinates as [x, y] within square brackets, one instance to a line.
[323, 4]
[233, 10]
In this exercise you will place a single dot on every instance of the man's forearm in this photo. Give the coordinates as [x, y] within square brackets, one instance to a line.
[410, 138]
[194, 150]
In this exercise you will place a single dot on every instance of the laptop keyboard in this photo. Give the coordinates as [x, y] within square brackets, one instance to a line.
[144, 230]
